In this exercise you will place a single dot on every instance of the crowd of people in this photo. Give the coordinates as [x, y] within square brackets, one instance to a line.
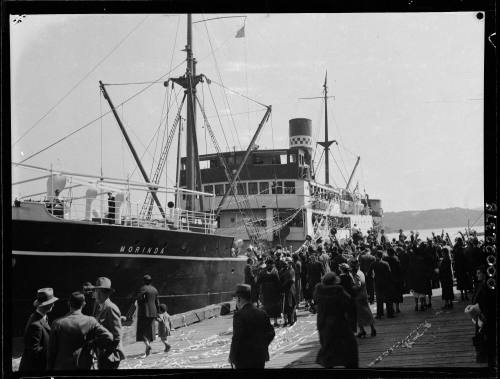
[339, 280]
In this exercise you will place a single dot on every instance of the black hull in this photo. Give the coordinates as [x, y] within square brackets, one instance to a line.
[190, 270]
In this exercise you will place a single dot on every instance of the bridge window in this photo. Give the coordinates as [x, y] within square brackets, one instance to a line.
[219, 189]
[264, 188]
[289, 187]
[242, 188]
[253, 188]
[209, 188]
[277, 187]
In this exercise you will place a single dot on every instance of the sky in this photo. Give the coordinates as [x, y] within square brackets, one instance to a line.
[407, 94]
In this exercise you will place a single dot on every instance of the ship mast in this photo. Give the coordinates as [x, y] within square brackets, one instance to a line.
[326, 144]
[189, 81]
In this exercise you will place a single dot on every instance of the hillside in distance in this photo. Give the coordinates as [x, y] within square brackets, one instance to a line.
[432, 219]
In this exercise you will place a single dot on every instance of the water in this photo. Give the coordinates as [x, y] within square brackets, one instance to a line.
[427, 233]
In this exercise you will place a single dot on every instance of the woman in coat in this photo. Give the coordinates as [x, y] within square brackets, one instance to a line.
[337, 340]
[446, 278]
[270, 288]
[418, 278]
[289, 296]
[364, 314]
[464, 280]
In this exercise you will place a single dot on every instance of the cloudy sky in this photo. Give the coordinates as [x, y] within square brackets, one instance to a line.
[408, 94]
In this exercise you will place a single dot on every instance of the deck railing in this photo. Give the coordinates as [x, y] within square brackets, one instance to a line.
[127, 214]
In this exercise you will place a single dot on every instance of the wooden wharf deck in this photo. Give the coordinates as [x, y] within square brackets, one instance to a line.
[432, 338]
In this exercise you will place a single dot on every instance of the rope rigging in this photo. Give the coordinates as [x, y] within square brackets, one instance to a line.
[81, 80]
[100, 117]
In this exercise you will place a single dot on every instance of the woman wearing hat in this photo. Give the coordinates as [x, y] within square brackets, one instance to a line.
[446, 278]
[270, 288]
[37, 333]
[364, 316]
[337, 340]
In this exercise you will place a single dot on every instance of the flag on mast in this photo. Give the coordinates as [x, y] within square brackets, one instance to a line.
[240, 33]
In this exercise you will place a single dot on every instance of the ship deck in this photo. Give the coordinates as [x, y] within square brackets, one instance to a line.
[434, 338]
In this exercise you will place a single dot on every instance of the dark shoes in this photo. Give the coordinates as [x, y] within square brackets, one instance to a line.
[148, 350]
[361, 334]
[378, 317]
[167, 348]
[373, 333]
[391, 316]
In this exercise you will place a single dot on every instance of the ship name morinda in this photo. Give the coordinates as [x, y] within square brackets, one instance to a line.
[145, 250]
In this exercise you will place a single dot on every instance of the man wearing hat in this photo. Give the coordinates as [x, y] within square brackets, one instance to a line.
[108, 314]
[148, 307]
[252, 332]
[69, 333]
[36, 333]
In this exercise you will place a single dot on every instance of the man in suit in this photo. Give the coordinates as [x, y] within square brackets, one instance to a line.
[108, 314]
[383, 285]
[37, 333]
[148, 304]
[252, 332]
[365, 261]
[70, 332]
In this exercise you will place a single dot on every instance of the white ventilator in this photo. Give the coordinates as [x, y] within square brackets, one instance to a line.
[90, 196]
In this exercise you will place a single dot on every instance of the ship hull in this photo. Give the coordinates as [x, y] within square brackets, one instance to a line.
[190, 270]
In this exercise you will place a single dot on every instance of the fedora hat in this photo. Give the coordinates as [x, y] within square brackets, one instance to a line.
[44, 296]
[103, 283]
[243, 290]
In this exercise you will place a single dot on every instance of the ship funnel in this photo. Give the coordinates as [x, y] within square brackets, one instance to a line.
[55, 182]
[300, 132]
[90, 196]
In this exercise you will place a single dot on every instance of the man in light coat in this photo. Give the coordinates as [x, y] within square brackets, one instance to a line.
[108, 314]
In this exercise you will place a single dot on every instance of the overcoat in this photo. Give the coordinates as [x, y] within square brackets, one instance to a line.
[108, 314]
[68, 334]
[252, 334]
[270, 288]
[36, 344]
[464, 279]
[419, 275]
[148, 306]
[446, 278]
[337, 340]
[382, 279]
[288, 290]
[396, 290]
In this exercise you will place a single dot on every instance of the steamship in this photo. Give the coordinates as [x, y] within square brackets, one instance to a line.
[62, 241]
[278, 200]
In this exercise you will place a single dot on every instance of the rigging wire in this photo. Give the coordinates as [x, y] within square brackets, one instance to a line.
[237, 93]
[218, 117]
[98, 118]
[317, 133]
[338, 167]
[81, 80]
[225, 94]
[100, 111]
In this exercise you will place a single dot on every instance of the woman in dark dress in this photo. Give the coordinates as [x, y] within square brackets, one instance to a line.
[337, 340]
[270, 288]
[464, 280]
[446, 278]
